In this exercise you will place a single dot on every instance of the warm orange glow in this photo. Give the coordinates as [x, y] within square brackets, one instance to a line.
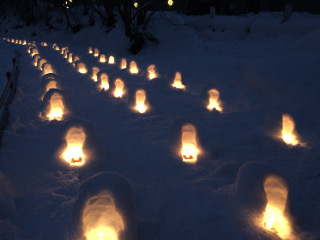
[20, 42]
[29, 49]
[141, 106]
[36, 58]
[24, 42]
[134, 68]
[152, 72]
[102, 58]
[34, 51]
[76, 58]
[214, 101]
[82, 68]
[47, 68]
[70, 58]
[189, 150]
[90, 50]
[51, 85]
[123, 64]
[104, 79]
[96, 52]
[111, 60]
[56, 107]
[41, 62]
[273, 218]
[65, 55]
[177, 82]
[73, 153]
[63, 50]
[95, 71]
[45, 44]
[119, 91]
[57, 48]
[101, 220]
[288, 133]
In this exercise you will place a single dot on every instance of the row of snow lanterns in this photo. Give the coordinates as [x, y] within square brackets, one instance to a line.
[276, 191]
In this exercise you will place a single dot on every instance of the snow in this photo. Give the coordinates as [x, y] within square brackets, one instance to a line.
[261, 74]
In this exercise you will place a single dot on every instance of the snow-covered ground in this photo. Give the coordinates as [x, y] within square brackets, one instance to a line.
[261, 67]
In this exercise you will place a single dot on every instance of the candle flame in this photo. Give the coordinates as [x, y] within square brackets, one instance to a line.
[288, 132]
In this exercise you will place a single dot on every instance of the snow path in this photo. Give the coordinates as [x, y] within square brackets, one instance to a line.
[174, 200]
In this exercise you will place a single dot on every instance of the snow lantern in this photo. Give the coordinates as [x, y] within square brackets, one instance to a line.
[90, 50]
[54, 45]
[119, 91]
[73, 153]
[65, 54]
[104, 209]
[96, 52]
[76, 58]
[36, 58]
[111, 60]
[56, 107]
[95, 71]
[70, 57]
[29, 49]
[102, 58]
[134, 68]
[177, 83]
[20, 42]
[214, 101]
[63, 49]
[57, 48]
[104, 81]
[273, 217]
[47, 68]
[141, 105]
[41, 61]
[82, 68]
[152, 72]
[52, 84]
[34, 51]
[17, 41]
[123, 64]
[45, 44]
[288, 133]
[24, 42]
[189, 150]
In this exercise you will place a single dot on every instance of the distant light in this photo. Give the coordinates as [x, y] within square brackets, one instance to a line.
[135, 4]
[170, 3]
[67, 6]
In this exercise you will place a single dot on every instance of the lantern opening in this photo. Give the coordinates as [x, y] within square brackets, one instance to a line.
[73, 153]
[119, 91]
[214, 101]
[100, 219]
[102, 58]
[104, 80]
[273, 218]
[111, 60]
[123, 63]
[141, 106]
[95, 71]
[189, 150]
[82, 68]
[152, 72]
[177, 82]
[288, 132]
[134, 68]
[56, 107]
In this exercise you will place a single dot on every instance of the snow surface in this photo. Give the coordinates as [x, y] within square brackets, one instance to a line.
[262, 69]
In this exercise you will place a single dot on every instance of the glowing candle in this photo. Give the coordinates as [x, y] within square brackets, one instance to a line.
[102, 58]
[56, 107]
[90, 50]
[288, 132]
[95, 71]
[111, 60]
[82, 68]
[96, 52]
